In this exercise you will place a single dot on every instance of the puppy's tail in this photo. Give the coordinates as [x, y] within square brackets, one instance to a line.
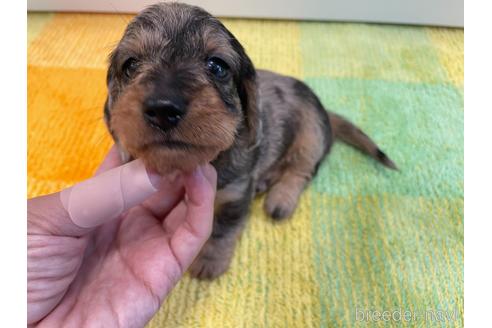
[352, 135]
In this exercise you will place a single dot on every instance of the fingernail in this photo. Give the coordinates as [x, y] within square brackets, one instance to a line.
[210, 173]
[155, 179]
[198, 173]
[174, 177]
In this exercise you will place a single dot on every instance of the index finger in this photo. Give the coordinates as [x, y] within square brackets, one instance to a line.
[107, 195]
[92, 202]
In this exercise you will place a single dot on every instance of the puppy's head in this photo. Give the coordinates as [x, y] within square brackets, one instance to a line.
[181, 88]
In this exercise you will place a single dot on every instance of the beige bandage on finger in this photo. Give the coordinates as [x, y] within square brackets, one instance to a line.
[106, 196]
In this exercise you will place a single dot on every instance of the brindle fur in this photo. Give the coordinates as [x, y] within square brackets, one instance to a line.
[262, 131]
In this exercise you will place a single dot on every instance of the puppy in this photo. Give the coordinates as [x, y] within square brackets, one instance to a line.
[182, 92]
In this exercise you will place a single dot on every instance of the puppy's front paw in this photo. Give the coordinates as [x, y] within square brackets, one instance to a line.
[279, 204]
[208, 267]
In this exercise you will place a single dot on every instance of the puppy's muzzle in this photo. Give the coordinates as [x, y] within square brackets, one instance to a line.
[163, 112]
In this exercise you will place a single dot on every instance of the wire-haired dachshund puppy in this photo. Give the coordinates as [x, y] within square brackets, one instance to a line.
[183, 92]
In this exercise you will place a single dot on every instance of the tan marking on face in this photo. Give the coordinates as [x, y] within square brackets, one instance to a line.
[208, 128]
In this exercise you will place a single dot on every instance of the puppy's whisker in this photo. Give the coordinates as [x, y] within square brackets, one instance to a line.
[119, 13]
[110, 46]
[100, 140]
[86, 109]
[89, 122]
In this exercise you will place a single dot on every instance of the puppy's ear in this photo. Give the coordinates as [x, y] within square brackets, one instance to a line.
[110, 77]
[110, 82]
[246, 88]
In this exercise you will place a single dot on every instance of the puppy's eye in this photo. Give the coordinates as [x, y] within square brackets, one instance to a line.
[130, 66]
[218, 67]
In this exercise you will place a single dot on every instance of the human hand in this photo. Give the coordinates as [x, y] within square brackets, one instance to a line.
[108, 271]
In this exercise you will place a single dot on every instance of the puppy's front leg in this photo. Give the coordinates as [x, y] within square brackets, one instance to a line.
[232, 209]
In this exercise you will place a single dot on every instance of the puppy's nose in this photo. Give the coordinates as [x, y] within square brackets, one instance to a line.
[163, 113]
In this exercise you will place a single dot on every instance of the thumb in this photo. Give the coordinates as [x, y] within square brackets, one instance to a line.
[90, 203]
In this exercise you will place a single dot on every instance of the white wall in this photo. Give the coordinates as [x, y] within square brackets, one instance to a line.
[427, 12]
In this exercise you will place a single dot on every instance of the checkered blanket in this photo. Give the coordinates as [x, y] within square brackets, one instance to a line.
[364, 239]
